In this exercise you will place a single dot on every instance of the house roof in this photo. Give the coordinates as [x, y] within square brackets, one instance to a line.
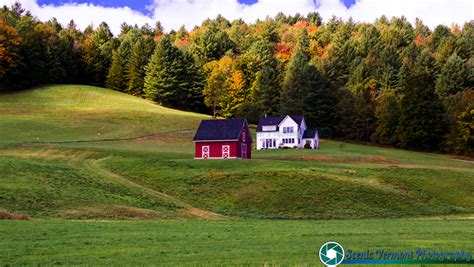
[310, 134]
[297, 119]
[220, 130]
[276, 120]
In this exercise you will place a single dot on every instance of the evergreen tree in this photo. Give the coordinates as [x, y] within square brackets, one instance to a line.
[139, 57]
[267, 91]
[422, 118]
[345, 114]
[452, 77]
[387, 112]
[172, 78]
[294, 85]
[364, 119]
[116, 79]
[314, 18]
[305, 91]
[439, 34]
[211, 44]
[100, 54]
[318, 99]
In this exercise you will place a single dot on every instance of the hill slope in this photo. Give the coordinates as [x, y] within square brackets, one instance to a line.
[69, 113]
[86, 152]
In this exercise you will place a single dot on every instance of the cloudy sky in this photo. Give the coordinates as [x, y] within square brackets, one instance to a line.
[174, 13]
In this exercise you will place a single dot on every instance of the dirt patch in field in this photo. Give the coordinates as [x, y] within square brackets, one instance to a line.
[202, 214]
[51, 153]
[113, 212]
[213, 176]
[463, 158]
[351, 160]
[7, 215]
[397, 185]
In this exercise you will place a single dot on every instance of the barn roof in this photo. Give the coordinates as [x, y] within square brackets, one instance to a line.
[220, 130]
[276, 120]
[310, 134]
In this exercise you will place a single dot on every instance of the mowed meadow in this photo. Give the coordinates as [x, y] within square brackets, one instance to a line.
[108, 178]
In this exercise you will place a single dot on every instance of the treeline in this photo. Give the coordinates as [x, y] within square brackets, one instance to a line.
[388, 82]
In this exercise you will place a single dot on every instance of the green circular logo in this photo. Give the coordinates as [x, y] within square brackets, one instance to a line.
[331, 253]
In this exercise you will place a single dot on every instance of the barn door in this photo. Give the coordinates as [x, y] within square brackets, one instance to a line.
[243, 151]
[205, 152]
[225, 151]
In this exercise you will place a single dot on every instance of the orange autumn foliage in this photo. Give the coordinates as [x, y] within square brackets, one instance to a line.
[237, 83]
[301, 24]
[9, 42]
[182, 42]
[283, 50]
[419, 39]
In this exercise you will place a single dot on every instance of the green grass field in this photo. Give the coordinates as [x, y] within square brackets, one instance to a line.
[71, 153]
[227, 242]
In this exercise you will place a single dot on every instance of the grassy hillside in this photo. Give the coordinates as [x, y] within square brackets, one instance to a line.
[71, 113]
[86, 152]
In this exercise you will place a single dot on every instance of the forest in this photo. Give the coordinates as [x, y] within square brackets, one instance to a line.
[388, 82]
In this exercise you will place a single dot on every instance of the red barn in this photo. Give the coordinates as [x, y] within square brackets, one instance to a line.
[223, 139]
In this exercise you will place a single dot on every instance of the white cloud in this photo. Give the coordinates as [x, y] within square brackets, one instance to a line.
[174, 13]
[84, 14]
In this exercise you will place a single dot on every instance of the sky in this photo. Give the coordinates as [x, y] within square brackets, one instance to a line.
[174, 13]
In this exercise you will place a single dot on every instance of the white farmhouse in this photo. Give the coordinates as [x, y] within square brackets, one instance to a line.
[285, 131]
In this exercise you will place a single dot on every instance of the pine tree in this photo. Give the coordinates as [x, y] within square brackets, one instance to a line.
[101, 54]
[345, 114]
[267, 91]
[387, 112]
[172, 78]
[422, 118]
[116, 77]
[318, 99]
[452, 77]
[211, 44]
[294, 85]
[135, 69]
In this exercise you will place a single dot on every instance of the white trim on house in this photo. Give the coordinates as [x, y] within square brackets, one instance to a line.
[218, 158]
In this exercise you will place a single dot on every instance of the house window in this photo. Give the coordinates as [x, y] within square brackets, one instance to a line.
[269, 128]
[288, 140]
[287, 129]
[243, 137]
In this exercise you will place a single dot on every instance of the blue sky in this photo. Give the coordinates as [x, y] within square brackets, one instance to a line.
[140, 5]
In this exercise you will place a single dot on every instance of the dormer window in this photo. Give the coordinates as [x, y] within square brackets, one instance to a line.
[270, 128]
